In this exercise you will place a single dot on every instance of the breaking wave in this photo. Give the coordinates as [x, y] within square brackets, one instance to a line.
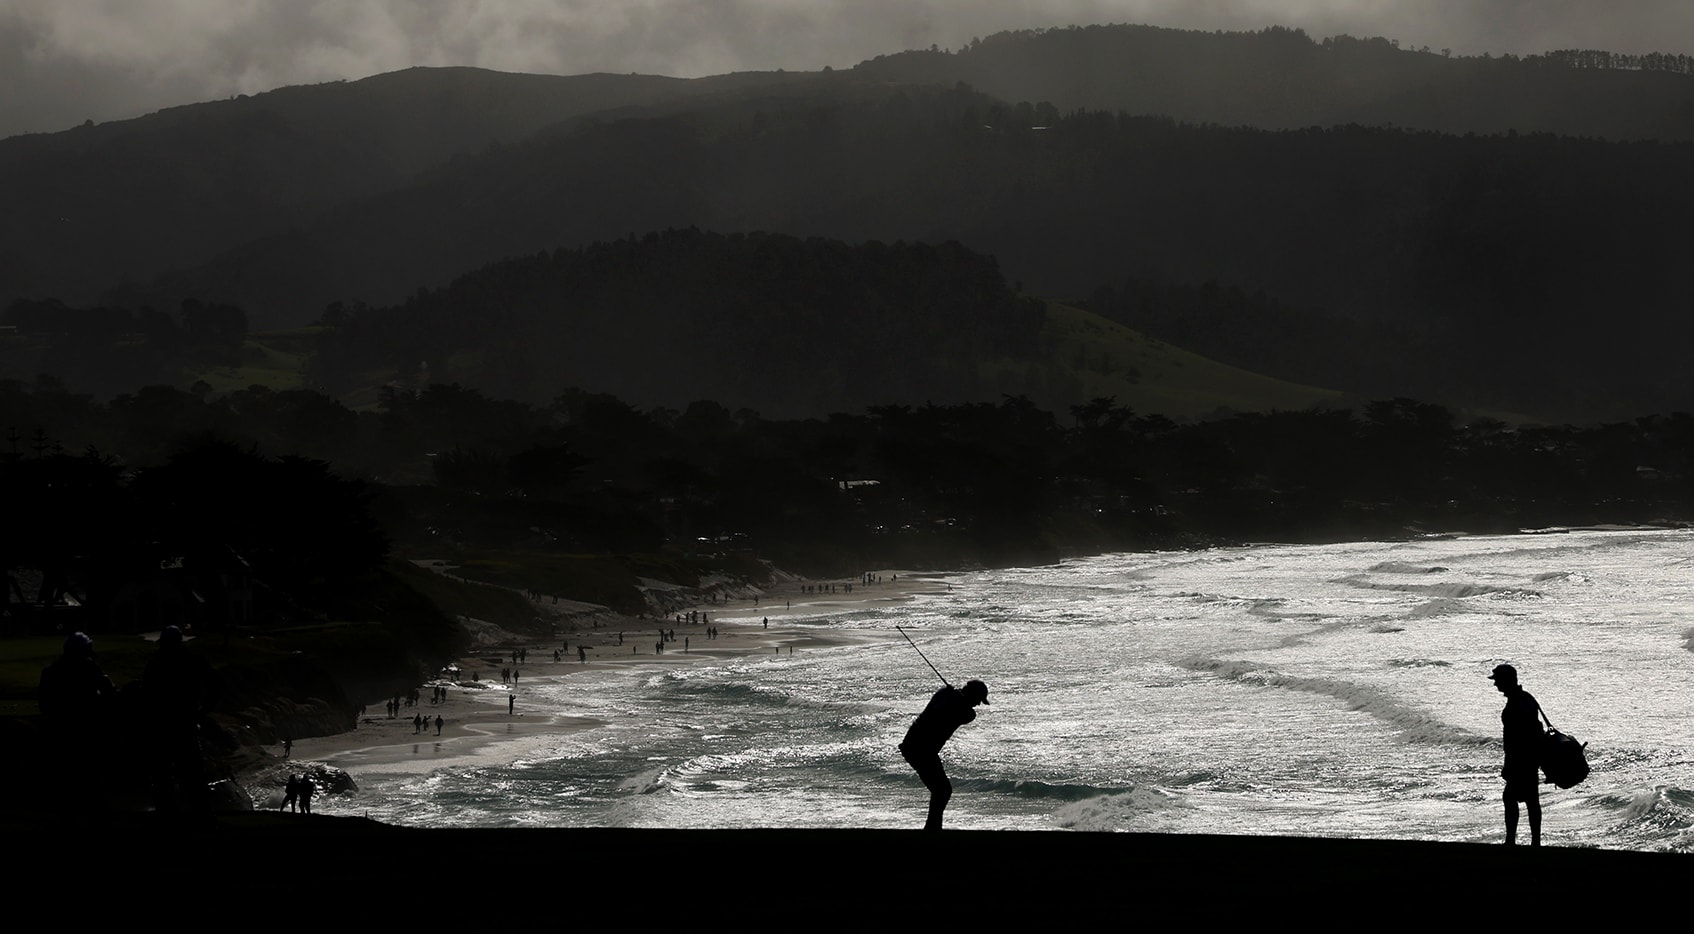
[1451, 589]
[1661, 817]
[1414, 724]
[1032, 788]
[1142, 808]
[1401, 567]
[1440, 606]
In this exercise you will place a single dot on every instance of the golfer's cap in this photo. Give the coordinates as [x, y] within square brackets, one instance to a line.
[1504, 673]
[977, 687]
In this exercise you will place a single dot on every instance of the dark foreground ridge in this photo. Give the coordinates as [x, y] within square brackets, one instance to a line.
[811, 875]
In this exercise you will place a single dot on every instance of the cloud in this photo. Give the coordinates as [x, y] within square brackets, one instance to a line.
[63, 61]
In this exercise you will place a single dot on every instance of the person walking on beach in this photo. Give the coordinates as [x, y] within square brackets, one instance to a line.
[949, 709]
[1522, 739]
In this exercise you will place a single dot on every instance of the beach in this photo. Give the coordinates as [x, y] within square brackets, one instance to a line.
[481, 711]
[759, 875]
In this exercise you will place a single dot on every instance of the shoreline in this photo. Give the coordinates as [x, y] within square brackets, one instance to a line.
[475, 713]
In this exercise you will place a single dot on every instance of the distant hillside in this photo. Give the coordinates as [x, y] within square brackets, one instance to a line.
[1104, 359]
[1283, 79]
[784, 327]
[1515, 270]
[103, 205]
[1365, 222]
[1538, 273]
[124, 202]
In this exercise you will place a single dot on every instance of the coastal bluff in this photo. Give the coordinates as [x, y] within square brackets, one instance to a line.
[822, 878]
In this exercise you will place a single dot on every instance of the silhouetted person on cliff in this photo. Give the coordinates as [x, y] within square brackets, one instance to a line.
[1523, 737]
[179, 688]
[948, 710]
[75, 694]
[77, 701]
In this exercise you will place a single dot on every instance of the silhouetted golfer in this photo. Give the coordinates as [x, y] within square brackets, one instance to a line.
[1523, 737]
[948, 710]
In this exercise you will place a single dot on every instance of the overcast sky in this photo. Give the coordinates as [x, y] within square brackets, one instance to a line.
[65, 61]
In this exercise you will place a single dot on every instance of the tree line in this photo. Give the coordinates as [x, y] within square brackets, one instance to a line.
[449, 468]
[109, 349]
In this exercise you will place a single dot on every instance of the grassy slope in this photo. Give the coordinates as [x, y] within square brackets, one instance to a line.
[1152, 377]
[273, 359]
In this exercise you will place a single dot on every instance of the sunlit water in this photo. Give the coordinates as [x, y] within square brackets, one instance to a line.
[1336, 690]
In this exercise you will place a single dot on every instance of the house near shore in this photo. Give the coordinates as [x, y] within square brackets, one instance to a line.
[141, 590]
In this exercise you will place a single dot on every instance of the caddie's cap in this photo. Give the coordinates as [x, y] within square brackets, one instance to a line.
[1504, 673]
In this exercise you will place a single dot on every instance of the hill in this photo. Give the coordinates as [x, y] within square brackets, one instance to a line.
[1280, 78]
[101, 205]
[1497, 253]
[786, 327]
[1108, 360]
[1530, 268]
[124, 202]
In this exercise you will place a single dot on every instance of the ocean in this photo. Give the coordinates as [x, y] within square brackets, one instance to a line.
[1323, 690]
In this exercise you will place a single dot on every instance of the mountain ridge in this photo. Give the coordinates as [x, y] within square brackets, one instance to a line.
[1493, 250]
